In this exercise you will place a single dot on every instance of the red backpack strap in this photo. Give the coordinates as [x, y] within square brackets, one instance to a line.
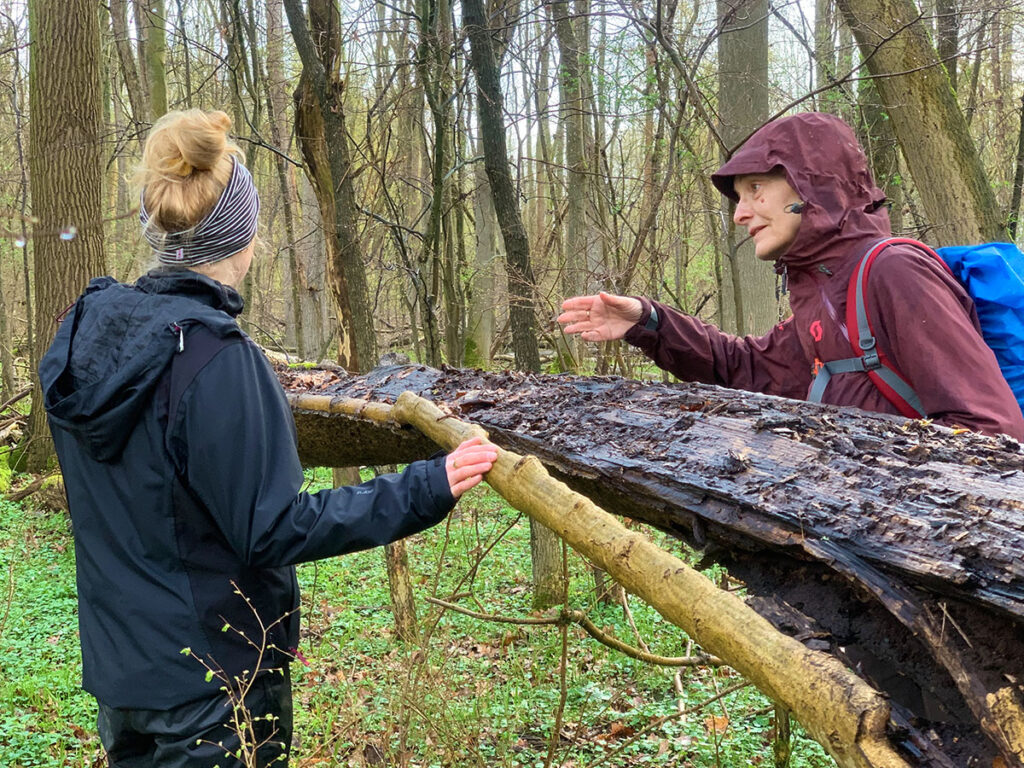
[884, 375]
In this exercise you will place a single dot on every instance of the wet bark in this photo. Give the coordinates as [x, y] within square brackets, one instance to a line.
[892, 544]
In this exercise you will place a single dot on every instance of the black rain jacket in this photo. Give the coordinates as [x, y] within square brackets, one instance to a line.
[184, 485]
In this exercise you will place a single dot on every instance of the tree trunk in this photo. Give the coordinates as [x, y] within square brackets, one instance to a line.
[1013, 214]
[576, 277]
[825, 52]
[277, 101]
[927, 120]
[547, 572]
[66, 175]
[156, 54]
[483, 294]
[947, 42]
[403, 604]
[7, 382]
[521, 284]
[320, 123]
[846, 716]
[433, 65]
[137, 95]
[883, 152]
[893, 544]
[748, 296]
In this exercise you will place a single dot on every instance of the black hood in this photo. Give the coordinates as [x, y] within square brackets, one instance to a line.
[115, 344]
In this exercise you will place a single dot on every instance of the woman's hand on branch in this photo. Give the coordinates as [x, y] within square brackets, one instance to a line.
[603, 317]
[468, 463]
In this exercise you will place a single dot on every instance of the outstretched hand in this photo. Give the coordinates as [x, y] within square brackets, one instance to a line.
[602, 317]
[468, 463]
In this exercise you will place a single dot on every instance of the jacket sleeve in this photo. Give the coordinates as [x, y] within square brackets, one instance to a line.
[242, 463]
[693, 350]
[925, 320]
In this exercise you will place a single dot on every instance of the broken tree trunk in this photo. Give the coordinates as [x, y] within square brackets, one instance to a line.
[894, 545]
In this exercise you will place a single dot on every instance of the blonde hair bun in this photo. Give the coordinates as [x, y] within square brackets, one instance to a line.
[186, 163]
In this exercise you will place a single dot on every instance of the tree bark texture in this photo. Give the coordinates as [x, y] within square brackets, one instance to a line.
[277, 100]
[137, 96]
[483, 292]
[320, 124]
[846, 716]
[892, 544]
[156, 54]
[521, 284]
[1013, 215]
[927, 120]
[403, 604]
[433, 65]
[749, 303]
[65, 172]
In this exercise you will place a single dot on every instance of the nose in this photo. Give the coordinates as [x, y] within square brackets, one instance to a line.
[742, 214]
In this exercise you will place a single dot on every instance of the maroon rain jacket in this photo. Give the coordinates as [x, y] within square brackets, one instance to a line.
[922, 317]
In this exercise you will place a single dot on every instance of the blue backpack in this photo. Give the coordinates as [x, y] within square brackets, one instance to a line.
[992, 274]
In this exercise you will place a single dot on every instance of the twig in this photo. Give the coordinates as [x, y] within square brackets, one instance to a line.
[21, 395]
[563, 665]
[624, 600]
[29, 489]
[579, 617]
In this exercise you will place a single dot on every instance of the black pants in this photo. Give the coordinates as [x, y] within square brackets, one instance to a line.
[200, 734]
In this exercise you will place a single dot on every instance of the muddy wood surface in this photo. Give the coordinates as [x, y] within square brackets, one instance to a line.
[895, 544]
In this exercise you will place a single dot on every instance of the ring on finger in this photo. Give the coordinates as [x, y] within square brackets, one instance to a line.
[455, 464]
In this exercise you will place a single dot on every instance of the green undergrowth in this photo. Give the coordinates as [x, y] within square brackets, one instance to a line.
[470, 692]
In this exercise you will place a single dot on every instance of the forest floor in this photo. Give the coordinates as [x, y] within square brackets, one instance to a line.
[470, 693]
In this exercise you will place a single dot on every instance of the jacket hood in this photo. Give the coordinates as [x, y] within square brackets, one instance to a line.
[827, 168]
[114, 345]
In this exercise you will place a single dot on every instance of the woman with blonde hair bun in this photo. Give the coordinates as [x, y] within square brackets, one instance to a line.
[183, 479]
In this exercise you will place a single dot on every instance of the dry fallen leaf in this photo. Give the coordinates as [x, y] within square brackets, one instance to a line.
[716, 724]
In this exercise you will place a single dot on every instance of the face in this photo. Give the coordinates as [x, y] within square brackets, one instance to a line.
[762, 210]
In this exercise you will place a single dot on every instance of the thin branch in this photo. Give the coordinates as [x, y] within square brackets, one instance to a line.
[579, 617]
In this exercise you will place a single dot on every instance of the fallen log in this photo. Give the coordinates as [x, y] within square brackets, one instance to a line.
[892, 544]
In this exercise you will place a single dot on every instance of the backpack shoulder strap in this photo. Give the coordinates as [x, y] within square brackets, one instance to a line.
[868, 356]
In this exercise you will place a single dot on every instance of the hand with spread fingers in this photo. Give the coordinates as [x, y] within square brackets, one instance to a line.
[468, 463]
[602, 317]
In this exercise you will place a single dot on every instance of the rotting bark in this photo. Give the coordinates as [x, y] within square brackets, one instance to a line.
[839, 710]
[906, 534]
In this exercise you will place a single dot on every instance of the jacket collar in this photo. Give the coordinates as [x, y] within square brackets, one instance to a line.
[190, 284]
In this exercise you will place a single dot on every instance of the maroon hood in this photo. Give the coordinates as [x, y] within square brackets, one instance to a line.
[829, 171]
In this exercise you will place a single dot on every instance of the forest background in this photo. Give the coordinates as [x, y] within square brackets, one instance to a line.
[403, 213]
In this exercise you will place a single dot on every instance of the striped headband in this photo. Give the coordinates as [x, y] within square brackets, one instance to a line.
[223, 232]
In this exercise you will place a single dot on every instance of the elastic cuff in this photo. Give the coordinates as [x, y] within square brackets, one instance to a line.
[652, 320]
[642, 333]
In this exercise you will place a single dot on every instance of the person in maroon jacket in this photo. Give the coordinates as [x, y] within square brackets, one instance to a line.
[804, 192]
